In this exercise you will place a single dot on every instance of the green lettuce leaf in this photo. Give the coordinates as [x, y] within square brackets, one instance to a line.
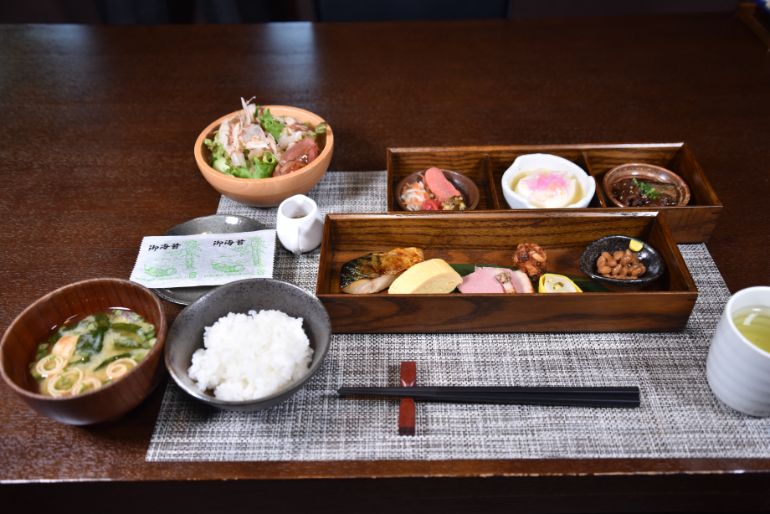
[270, 124]
[320, 129]
[220, 161]
[264, 165]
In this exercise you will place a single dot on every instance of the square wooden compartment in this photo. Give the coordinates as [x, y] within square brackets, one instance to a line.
[485, 165]
[490, 238]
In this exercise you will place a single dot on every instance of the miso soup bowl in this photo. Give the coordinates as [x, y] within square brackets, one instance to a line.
[266, 192]
[534, 161]
[36, 323]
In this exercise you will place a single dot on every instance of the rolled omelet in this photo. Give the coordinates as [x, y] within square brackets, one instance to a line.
[433, 276]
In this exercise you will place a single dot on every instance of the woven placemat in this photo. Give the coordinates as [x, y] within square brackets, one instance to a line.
[678, 417]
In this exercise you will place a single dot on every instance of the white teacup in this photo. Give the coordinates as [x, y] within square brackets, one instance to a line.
[299, 224]
[738, 371]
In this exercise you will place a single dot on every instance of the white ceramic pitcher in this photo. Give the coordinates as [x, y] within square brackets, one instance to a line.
[299, 224]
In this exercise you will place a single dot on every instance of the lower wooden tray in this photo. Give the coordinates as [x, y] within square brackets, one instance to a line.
[490, 238]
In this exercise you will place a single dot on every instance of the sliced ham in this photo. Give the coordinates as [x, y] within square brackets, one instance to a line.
[438, 184]
[496, 280]
[521, 282]
[482, 280]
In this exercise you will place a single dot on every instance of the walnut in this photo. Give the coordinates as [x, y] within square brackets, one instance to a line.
[530, 258]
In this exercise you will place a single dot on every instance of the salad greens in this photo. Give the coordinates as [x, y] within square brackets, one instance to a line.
[260, 167]
[270, 124]
[257, 144]
[264, 165]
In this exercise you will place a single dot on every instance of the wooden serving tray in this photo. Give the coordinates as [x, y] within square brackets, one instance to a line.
[490, 238]
[485, 165]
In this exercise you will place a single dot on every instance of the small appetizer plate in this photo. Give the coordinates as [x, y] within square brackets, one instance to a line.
[551, 163]
[214, 224]
[644, 171]
[648, 256]
[468, 189]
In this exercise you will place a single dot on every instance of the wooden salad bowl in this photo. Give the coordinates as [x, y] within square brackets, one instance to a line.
[266, 192]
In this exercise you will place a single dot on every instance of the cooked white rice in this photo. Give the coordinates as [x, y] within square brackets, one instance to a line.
[250, 356]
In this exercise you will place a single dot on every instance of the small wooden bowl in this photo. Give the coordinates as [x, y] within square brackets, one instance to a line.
[646, 172]
[465, 185]
[266, 192]
[34, 324]
[647, 256]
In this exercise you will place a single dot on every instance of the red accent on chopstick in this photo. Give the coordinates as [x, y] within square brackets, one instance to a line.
[406, 410]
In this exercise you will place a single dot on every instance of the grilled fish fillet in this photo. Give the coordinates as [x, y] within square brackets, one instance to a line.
[375, 271]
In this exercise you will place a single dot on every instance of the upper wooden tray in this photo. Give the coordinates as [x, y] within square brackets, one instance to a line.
[490, 238]
[485, 165]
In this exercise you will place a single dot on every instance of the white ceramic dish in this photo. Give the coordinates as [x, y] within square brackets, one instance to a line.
[534, 161]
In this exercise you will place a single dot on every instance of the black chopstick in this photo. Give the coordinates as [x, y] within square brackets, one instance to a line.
[622, 397]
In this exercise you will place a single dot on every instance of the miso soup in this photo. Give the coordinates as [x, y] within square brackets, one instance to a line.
[93, 352]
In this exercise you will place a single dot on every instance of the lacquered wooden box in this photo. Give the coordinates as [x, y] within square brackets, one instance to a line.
[485, 165]
[490, 238]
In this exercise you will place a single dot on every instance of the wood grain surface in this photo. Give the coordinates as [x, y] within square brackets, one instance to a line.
[488, 238]
[98, 126]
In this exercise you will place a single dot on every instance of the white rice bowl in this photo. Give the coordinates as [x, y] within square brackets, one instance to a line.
[251, 356]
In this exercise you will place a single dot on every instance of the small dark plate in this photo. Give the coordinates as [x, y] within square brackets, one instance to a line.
[647, 255]
[466, 186]
[214, 224]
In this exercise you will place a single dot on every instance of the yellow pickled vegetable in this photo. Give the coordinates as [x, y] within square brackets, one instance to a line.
[635, 245]
[553, 283]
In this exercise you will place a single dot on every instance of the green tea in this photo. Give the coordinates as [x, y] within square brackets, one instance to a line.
[754, 323]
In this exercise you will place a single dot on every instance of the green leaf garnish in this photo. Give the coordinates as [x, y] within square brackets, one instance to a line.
[90, 343]
[109, 360]
[646, 189]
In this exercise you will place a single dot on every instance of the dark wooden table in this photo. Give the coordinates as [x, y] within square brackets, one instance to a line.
[96, 133]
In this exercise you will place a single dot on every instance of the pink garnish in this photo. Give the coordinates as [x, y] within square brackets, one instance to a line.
[546, 181]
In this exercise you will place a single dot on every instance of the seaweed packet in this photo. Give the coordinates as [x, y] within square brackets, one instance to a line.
[204, 259]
